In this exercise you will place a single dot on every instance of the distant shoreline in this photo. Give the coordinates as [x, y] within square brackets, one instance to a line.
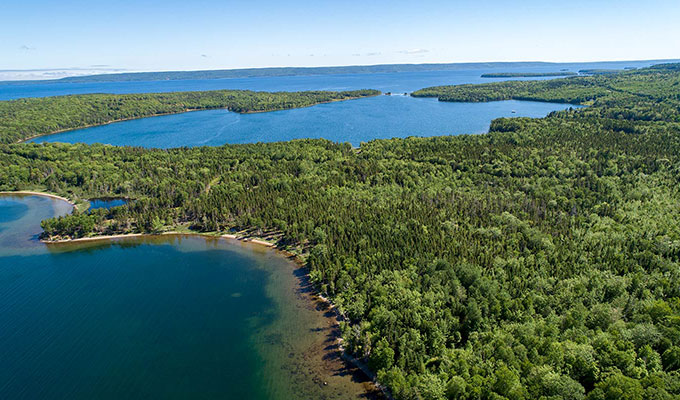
[183, 112]
[104, 123]
[528, 74]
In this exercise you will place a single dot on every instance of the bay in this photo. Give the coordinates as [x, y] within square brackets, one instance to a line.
[354, 121]
[158, 317]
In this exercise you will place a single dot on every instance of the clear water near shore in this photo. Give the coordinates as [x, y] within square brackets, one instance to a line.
[158, 317]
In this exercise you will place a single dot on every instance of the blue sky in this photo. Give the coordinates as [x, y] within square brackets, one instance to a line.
[203, 34]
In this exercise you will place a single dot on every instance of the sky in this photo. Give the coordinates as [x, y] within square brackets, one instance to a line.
[70, 37]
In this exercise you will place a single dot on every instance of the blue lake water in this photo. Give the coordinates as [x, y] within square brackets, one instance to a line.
[106, 203]
[166, 317]
[353, 121]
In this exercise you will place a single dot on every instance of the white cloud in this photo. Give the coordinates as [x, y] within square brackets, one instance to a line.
[370, 54]
[414, 51]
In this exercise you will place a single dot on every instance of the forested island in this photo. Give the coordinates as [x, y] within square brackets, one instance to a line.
[538, 261]
[599, 71]
[26, 118]
[527, 74]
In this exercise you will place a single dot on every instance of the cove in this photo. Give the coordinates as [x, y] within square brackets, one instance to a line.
[158, 317]
[352, 121]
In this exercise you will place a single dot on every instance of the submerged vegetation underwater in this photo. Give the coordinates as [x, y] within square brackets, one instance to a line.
[540, 260]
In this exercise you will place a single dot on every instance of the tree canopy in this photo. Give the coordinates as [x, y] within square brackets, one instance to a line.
[538, 261]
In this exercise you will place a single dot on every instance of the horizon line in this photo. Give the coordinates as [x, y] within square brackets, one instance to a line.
[123, 71]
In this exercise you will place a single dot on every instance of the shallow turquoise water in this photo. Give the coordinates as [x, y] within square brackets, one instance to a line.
[353, 121]
[154, 317]
[20, 218]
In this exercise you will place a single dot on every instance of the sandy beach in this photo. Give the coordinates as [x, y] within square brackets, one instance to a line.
[31, 193]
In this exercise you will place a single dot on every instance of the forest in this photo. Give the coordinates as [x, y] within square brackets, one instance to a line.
[538, 261]
[25, 118]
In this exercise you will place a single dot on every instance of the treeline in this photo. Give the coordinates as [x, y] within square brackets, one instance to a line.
[539, 261]
[527, 74]
[25, 118]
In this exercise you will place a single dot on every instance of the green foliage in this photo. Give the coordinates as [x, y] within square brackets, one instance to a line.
[617, 387]
[541, 260]
[671, 359]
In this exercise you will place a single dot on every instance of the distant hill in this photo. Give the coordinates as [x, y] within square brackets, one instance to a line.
[307, 71]
[291, 71]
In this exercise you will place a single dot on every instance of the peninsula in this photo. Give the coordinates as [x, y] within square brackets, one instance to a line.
[527, 74]
[27, 118]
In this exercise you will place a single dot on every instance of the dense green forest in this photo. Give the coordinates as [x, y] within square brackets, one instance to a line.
[527, 74]
[599, 71]
[25, 118]
[538, 261]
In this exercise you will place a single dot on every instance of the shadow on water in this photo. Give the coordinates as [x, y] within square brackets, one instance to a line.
[333, 354]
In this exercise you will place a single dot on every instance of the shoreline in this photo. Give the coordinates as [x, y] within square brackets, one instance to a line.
[108, 123]
[292, 257]
[32, 193]
[243, 239]
[181, 112]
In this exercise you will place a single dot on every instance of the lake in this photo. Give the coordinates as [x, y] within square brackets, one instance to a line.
[158, 317]
[353, 121]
